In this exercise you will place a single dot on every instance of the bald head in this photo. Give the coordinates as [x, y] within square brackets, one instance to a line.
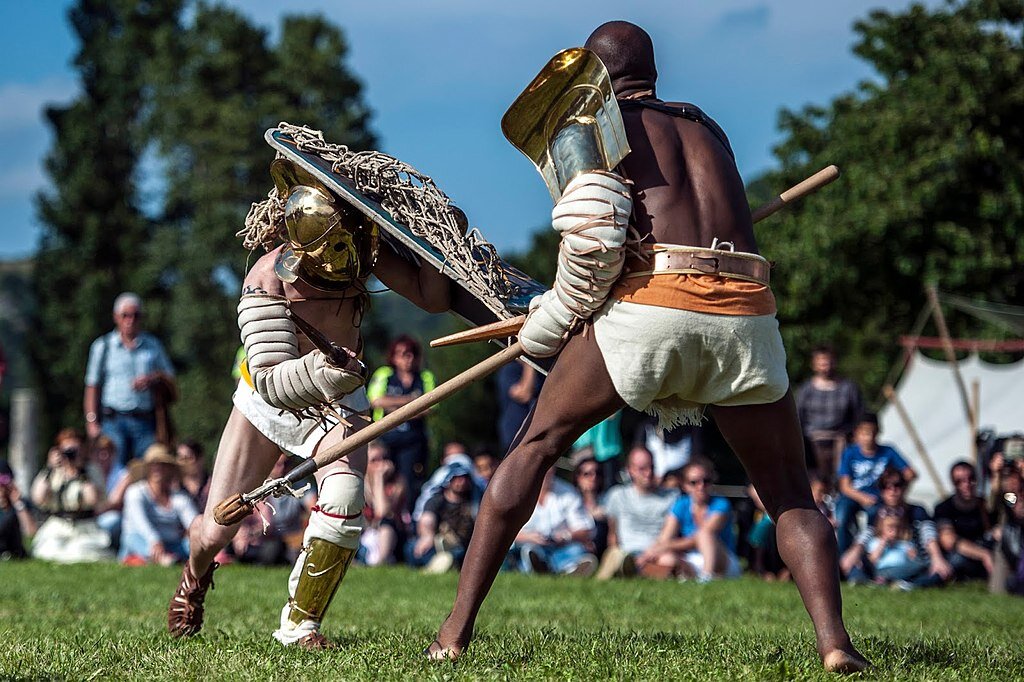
[628, 53]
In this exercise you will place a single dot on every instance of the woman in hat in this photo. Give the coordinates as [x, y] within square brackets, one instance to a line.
[157, 512]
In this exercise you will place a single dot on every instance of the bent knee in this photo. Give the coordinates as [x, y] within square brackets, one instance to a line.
[338, 515]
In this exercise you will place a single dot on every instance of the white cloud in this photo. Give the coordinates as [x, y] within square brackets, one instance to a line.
[21, 104]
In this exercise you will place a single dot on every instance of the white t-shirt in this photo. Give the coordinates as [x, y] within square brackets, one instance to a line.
[638, 518]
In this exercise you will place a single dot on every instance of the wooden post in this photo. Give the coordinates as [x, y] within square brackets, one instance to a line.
[891, 396]
[24, 437]
[947, 344]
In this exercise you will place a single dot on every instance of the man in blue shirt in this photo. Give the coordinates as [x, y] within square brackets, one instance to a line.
[126, 368]
[859, 469]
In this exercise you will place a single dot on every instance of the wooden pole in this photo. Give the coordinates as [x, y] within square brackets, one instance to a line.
[891, 396]
[798, 191]
[947, 345]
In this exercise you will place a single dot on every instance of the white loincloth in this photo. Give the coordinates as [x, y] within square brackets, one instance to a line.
[673, 363]
[294, 436]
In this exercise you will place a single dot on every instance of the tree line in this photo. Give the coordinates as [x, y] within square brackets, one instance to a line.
[156, 162]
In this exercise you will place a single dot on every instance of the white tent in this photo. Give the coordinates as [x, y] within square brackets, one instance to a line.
[929, 392]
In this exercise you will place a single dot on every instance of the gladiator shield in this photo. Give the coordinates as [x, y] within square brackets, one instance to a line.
[470, 302]
[567, 120]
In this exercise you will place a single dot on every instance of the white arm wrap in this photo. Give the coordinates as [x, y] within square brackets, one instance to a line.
[593, 218]
[281, 377]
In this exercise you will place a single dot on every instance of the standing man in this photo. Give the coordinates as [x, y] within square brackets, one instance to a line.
[692, 325]
[828, 406]
[127, 367]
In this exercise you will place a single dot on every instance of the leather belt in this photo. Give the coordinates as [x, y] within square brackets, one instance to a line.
[701, 261]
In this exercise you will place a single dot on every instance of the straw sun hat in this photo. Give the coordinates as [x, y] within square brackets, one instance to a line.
[157, 453]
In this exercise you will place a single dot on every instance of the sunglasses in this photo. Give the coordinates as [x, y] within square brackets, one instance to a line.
[698, 481]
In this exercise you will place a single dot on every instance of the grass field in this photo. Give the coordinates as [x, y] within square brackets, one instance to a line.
[106, 621]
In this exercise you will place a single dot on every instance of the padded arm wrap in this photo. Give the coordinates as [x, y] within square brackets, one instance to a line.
[593, 218]
[281, 377]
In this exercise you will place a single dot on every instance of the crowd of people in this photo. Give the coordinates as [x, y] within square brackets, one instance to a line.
[647, 506]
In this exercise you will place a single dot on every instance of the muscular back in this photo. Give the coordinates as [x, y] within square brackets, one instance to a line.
[686, 188]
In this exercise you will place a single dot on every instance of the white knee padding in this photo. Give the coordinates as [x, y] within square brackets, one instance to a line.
[338, 514]
[593, 217]
[281, 377]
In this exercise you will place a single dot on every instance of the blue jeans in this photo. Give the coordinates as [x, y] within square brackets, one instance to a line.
[846, 521]
[558, 559]
[134, 543]
[131, 434]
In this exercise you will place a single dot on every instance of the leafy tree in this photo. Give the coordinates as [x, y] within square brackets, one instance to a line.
[94, 232]
[932, 189]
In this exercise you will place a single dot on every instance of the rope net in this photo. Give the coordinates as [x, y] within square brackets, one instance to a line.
[412, 198]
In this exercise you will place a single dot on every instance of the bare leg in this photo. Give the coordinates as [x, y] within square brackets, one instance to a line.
[767, 440]
[245, 458]
[577, 394]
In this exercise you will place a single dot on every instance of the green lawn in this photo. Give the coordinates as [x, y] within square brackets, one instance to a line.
[105, 621]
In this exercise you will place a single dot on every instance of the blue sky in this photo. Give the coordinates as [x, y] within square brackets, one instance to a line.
[439, 75]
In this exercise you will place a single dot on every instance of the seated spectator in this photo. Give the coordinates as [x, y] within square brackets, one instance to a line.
[696, 540]
[556, 537]
[635, 512]
[517, 386]
[446, 525]
[64, 492]
[273, 536]
[672, 480]
[859, 468]
[454, 453]
[106, 471]
[484, 465]
[964, 525]
[604, 441]
[16, 521]
[386, 520]
[765, 560]
[855, 562]
[195, 479]
[588, 479]
[892, 552]
[157, 512]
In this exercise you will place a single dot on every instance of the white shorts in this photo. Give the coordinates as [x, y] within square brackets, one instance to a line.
[295, 436]
[672, 363]
[696, 561]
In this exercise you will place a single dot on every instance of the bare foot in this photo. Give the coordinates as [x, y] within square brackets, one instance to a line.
[449, 643]
[436, 652]
[845, 662]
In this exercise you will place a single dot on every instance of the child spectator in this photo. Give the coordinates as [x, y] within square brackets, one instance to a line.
[484, 465]
[892, 552]
[696, 540]
[113, 479]
[859, 468]
[765, 560]
[556, 536]
[273, 536]
[157, 512]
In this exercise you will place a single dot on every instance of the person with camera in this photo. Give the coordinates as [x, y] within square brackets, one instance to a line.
[16, 520]
[64, 491]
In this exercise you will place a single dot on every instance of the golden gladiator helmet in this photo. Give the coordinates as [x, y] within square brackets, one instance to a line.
[331, 245]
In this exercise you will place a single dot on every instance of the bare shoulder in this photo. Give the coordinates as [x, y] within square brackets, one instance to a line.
[261, 278]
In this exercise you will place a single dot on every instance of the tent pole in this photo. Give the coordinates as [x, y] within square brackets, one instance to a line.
[947, 342]
[976, 413]
[891, 396]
